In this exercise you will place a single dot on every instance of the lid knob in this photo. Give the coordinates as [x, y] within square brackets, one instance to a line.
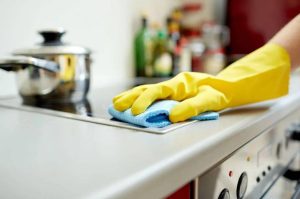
[52, 36]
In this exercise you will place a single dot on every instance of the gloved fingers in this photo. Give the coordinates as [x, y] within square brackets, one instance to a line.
[149, 96]
[116, 98]
[125, 100]
[135, 89]
[208, 99]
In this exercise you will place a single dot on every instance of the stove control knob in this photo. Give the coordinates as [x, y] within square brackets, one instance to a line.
[224, 194]
[294, 133]
[242, 185]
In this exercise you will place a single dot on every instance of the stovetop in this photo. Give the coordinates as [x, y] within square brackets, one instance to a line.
[93, 109]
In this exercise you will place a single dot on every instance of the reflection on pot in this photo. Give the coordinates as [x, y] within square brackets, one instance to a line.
[82, 108]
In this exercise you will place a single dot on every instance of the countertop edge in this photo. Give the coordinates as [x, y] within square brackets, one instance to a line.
[176, 171]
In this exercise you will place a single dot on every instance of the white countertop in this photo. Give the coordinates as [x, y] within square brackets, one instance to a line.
[43, 156]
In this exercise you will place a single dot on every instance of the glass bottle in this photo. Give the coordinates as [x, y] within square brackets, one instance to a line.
[143, 45]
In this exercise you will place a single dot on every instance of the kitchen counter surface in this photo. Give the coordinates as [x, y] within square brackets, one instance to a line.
[43, 156]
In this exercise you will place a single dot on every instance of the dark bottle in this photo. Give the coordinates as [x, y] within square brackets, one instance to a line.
[143, 50]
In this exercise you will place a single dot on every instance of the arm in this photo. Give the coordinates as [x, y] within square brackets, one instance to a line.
[289, 38]
[261, 75]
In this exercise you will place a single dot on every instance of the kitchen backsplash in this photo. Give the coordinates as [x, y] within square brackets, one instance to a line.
[105, 26]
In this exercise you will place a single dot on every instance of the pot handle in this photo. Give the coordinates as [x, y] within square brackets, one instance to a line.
[15, 63]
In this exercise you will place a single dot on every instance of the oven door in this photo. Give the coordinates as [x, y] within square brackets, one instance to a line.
[283, 188]
[287, 185]
[265, 167]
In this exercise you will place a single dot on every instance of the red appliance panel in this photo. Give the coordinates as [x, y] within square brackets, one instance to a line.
[253, 22]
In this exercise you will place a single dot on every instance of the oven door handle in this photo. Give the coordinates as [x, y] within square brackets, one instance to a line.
[296, 195]
[293, 175]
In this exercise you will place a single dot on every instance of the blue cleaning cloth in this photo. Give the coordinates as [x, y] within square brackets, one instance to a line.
[157, 115]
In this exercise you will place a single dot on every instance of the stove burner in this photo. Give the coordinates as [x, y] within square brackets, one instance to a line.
[93, 109]
[80, 108]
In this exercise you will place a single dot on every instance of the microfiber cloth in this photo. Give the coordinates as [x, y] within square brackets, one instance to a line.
[157, 115]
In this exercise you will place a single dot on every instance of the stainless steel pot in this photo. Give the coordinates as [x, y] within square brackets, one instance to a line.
[52, 71]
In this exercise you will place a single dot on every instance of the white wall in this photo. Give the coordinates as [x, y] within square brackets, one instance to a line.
[105, 26]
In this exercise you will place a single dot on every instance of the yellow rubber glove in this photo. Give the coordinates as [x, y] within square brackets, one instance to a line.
[261, 75]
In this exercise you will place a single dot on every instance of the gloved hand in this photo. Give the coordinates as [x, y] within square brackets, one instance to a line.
[261, 75]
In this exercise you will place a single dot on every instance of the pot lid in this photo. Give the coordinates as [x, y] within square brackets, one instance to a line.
[52, 44]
